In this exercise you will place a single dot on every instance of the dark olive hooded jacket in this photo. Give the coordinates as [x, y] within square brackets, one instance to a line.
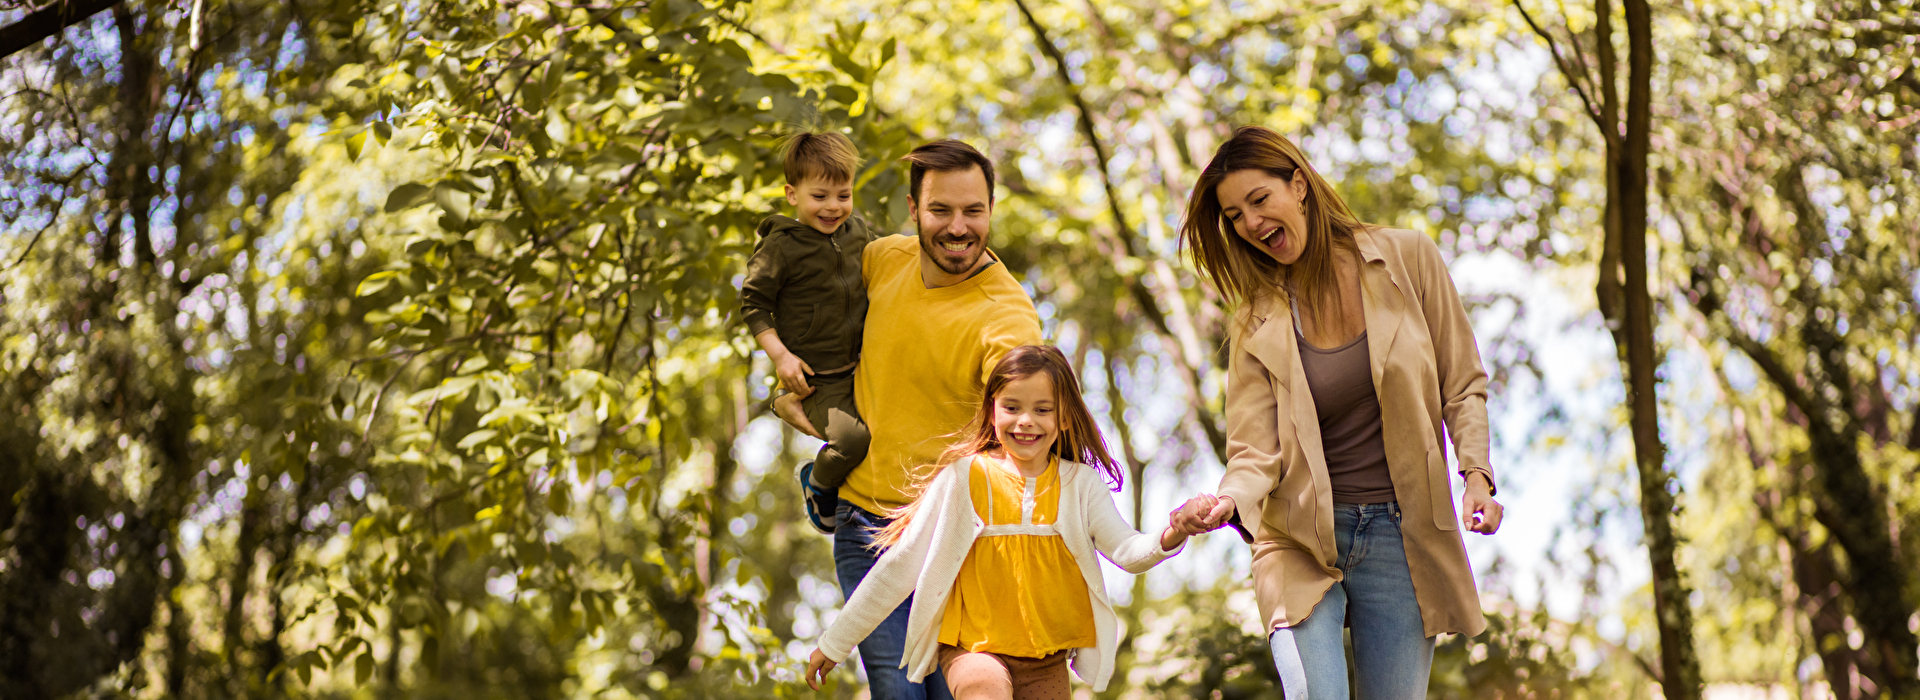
[807, 286]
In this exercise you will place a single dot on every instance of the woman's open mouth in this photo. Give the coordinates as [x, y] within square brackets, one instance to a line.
[1274, 239]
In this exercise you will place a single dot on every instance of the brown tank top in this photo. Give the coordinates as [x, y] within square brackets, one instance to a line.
[1341, 380]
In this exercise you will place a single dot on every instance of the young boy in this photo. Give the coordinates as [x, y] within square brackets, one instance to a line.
[806, 304]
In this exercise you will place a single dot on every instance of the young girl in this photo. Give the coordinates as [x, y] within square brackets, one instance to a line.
[999, 547]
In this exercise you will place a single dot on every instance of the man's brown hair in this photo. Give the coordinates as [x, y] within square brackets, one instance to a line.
[945, 155]
[828, 155]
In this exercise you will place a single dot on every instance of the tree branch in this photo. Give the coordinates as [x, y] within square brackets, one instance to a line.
[1568, 71]
[48, 21]
[1124, 232]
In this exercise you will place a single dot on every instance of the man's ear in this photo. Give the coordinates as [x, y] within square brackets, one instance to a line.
[913, 208]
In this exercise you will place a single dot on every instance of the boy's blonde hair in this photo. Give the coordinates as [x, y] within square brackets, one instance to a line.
[828, 155]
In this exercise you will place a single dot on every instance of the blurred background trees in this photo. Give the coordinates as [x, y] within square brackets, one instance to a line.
[354, 348]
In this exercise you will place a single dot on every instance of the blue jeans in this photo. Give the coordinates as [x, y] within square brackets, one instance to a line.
[1391, 652]
[882, 650]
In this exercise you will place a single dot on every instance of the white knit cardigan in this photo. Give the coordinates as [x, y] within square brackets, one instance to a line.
[936, 543]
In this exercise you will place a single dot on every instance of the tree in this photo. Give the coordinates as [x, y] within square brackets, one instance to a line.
[1627, 304]
[1795, 263]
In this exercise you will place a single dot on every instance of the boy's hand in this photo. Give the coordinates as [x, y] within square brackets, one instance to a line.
[793, 373]
[817, 667]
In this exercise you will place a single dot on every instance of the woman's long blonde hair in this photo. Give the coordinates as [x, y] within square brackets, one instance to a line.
[1242, 273]
[1079, 439]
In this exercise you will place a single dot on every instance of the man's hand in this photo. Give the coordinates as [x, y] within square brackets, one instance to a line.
[787, 407]
[1478, 511]
[793, 373]
[817, 667]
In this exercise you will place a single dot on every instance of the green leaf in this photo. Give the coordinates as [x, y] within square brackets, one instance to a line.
[450, 389]
[375, 282]
[382, 132]
[453, 200]
[356, 143]
[476, 437]
[407, 196]
[363, 667]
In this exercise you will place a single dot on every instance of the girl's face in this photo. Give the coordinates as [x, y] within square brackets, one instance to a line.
[1266, 211]
[1026, 422]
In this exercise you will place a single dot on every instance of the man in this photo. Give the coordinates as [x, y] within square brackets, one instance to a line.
[941, 313]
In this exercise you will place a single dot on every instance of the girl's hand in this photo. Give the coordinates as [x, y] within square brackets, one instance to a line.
[817, 667]
[1478, 511]
[793, 373]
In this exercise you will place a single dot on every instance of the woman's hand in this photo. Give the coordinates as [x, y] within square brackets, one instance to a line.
[817, 667]
[1478, 511]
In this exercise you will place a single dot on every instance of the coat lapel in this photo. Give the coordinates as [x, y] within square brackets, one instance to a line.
[1380, 298]
[1275, 345]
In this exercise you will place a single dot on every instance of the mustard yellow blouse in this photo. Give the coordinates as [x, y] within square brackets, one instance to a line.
[1020, 592]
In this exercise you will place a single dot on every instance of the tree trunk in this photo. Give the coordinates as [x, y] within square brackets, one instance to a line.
[1679, 666]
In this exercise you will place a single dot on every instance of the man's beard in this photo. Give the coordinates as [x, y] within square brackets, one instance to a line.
[942, 259]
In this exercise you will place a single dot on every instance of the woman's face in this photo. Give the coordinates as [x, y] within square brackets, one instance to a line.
[1266, 211]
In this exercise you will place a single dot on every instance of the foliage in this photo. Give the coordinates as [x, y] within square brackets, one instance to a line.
[355, 347]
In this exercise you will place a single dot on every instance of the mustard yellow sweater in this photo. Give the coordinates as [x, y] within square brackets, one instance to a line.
[924, 363]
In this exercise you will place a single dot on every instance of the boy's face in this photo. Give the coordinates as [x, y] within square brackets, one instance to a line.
[820, 204]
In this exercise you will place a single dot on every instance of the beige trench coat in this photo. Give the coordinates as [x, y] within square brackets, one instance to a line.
[1426, 372]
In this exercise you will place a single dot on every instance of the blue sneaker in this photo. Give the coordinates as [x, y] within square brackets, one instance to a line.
[823, 505]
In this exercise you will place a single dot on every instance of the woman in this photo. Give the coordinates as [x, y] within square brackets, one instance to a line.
[1350, 349]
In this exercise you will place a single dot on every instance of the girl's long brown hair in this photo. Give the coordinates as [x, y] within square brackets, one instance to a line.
[1079, 439]
[1242, 273]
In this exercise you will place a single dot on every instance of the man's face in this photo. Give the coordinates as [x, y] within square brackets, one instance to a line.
[952, 213]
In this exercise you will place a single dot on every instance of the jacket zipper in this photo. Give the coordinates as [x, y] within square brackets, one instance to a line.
[846, 294]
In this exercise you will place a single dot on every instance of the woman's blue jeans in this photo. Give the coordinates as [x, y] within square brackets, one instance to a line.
[880, 654]
[1391, 652]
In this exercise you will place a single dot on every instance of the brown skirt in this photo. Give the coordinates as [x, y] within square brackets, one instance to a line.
[989, 676]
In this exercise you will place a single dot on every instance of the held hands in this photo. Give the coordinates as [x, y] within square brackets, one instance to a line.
[1478, 511]
[793, 373]
[1201, 514]
[817, 667]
